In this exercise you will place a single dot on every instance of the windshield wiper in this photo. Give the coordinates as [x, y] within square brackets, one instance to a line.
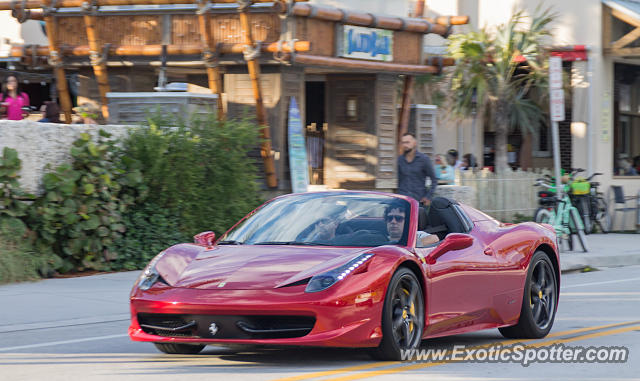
[229, 242]
[291, 243]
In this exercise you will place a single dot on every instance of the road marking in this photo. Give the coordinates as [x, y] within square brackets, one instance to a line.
[596, 283]
[6, 349]
[504, 343]
[600, 293]
[429, 365]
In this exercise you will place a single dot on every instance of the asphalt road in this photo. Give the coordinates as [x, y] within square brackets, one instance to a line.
[72, 329]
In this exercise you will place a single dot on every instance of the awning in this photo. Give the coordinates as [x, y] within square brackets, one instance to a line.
[570, 53]
[628, 7]
[618, 39]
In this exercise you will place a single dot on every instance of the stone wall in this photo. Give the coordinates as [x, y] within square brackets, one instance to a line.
[42, 144]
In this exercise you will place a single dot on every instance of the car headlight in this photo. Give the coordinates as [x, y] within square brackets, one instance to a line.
[149, 275]
[327, 279]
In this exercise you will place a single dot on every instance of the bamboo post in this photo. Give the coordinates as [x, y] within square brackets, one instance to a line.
[403, 123]
[98, 62]
[251, 55]
[209, 55]
[51, 25]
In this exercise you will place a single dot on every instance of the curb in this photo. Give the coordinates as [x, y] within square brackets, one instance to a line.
[574, 261]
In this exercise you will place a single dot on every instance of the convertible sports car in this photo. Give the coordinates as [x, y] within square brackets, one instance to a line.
[350, 269]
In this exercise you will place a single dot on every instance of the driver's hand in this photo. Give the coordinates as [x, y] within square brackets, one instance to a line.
[425, 201]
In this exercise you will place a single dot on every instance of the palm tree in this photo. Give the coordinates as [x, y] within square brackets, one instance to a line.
[507, 70]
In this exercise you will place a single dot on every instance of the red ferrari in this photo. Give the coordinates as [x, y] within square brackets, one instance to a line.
[350, 269]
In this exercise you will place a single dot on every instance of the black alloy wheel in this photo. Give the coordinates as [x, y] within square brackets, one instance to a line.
[402, 316]
[539, 302]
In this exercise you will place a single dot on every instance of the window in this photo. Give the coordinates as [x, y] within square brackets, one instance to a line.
[626, 131]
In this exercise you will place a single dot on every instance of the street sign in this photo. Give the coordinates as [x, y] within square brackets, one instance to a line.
[555, 72]
[557, 105]
[556, 95]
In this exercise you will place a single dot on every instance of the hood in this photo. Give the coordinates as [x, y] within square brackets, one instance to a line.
[260, 267]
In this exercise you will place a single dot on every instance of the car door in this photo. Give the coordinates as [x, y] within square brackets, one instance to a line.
[460, 286]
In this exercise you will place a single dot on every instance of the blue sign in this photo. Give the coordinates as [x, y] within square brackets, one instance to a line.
[298, 163]
[367, 43]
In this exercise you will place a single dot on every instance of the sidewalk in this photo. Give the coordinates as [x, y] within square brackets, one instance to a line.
[606, 250]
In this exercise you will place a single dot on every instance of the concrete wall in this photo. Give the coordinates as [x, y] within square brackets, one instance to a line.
[42, 144]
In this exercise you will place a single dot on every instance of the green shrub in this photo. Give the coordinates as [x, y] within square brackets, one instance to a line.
[149, 230]
[12, 199]
[518, 218]
[20, 256]
[80, 214]
[198, 171]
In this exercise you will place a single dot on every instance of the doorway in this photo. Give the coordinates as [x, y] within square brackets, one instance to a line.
[316, 129]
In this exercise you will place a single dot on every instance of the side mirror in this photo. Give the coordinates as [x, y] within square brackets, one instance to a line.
[453, 241]
[205, 238]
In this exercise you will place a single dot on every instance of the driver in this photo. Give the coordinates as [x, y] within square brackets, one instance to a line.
[394, 216]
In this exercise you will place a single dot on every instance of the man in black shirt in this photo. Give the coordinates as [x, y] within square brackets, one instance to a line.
[413, 169]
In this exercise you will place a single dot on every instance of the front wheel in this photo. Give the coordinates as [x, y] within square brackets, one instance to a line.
[583, 207]
[539, 301]
[575, 229]
[602, 216]
[402, 316]
[179, 349]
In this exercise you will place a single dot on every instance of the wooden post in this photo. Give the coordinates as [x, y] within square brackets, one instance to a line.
[51, 24]
[98, 62]
[209, 56]
[606, 28]
[418, 11]
[403, 122]
[251, 56]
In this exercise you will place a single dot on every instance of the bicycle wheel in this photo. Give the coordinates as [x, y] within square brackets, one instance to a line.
[602, 218]
[543, 216]
[583, 208]
[574, 226]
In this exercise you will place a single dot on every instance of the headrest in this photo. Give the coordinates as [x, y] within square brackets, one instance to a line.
[422, 218]
[441, 202]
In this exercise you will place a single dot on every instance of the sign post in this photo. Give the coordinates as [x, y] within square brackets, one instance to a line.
[557, 114]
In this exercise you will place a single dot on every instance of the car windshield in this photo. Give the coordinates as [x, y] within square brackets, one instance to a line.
[321, 219]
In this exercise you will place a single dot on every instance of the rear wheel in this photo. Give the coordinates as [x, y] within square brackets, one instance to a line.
[179, 349]
[542, 216]
[539, 301]
[402, 316]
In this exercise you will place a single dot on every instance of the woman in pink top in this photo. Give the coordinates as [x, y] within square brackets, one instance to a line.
[13, 100]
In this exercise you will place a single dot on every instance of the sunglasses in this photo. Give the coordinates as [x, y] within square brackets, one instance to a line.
[394, 217]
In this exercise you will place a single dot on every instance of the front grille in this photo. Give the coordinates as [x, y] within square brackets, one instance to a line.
[226, 326]
[167, 325]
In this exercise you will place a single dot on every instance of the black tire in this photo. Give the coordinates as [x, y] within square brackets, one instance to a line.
[603, 218]
[542, 216]
[541, 278]
[583, 207]
[402, 316]
[179, 349]
[582, 238]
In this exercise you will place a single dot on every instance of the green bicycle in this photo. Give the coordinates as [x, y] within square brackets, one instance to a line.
[563, 216]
